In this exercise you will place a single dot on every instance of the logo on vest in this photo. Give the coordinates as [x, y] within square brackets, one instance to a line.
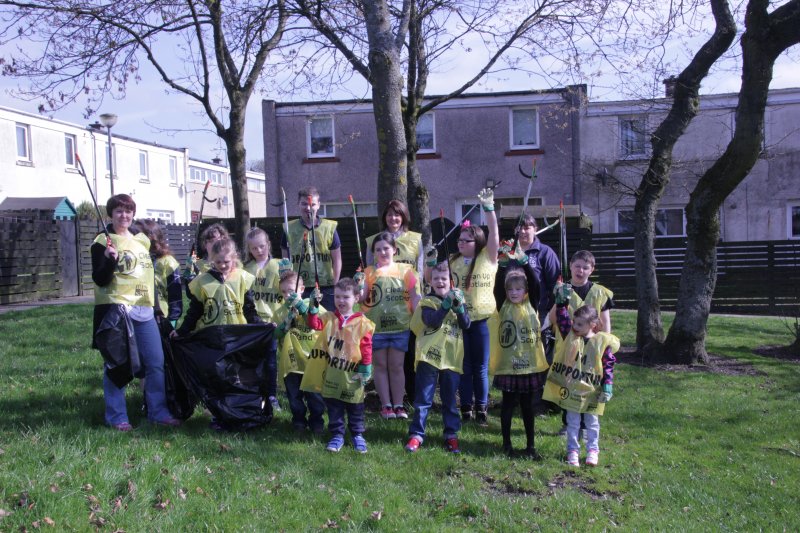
[563, 393]
[210, 311]
[374, 296]
[508, 333]
[126, 262]
[456, 279]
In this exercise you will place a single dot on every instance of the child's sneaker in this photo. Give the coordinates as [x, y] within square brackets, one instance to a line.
[400, 412]
[359, 444]
[273, 401]
[572, 458]
[451, 445]
[413, 444]
[387, 412]
[592, 457]
[335, 444]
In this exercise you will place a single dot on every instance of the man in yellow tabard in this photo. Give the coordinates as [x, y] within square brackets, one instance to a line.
[328, 255]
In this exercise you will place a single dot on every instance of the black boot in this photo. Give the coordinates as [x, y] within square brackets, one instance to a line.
[481, 417]
[466, 413]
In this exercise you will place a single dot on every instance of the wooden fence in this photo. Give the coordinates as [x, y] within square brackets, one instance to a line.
[30, 259]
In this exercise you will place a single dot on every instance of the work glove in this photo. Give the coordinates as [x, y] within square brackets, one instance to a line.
[562, 292]
[607, 393]
[284, 265]
[519, 256]
[431, 256]
[364, 373]
[447, 301]
[504, 253]
[486, 197]
[359, 277]
[313, 307]
[316, 295]
[294, 302]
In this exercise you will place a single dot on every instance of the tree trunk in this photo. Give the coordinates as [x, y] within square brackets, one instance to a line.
[387, 94]
[237, 159]
[685, 104]
[765, 38]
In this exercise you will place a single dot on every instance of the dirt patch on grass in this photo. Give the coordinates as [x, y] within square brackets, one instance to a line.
[717, 364]
[570, 479]
[787, 353]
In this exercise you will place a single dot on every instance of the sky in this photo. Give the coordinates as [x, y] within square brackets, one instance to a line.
[149, 112]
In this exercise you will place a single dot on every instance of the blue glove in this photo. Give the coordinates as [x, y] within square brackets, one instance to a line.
[606, 394]
[284, 265]
[447, 303]
[365, 372]
[457, 297]
[294, 301]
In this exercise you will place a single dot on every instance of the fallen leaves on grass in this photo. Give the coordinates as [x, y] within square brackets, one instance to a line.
[182, 494]
[4, 513]
[161, 504]
[377, 515]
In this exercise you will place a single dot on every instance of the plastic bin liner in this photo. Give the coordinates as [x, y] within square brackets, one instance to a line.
[224, 366]
[180, 400]
[117, 344]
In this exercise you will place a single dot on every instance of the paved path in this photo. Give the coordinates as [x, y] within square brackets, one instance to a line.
[55, 301]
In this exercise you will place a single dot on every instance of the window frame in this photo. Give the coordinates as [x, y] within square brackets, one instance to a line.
[114, 156]
[263, 184]
[154, 214]
[173, 170]
[144, 164]
[207, 175]
[660, 210]
[27, 157]
[323, 209]
[630, 119]
[309, 148]
[791, 206]
[70, 160]
[511, 140]
[432, 116]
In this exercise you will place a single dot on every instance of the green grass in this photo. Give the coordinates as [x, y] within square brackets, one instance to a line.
[680, 451]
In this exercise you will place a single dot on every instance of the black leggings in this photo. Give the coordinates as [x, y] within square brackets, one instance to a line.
[510, 400]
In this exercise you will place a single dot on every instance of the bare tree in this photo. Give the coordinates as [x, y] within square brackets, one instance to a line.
[767, 35]
[206, 50]
[685, 105]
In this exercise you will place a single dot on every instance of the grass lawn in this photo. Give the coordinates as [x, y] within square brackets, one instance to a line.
[683, 451]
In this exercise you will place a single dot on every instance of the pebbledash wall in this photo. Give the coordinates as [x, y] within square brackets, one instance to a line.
[590, 154]
[36, 160]
[468, 143]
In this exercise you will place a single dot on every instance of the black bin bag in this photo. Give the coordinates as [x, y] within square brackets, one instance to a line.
[225, 367]
[117, 344]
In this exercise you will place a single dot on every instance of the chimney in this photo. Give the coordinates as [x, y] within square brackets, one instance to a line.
[669, 86]
[216, 160]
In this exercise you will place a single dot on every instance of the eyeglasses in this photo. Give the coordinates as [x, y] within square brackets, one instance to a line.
[465, 241]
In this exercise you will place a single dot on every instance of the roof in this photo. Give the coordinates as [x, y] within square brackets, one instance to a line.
[58, 204]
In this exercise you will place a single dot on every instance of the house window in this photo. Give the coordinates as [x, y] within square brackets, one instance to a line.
[345, 210]
[426, 139]
[202, 175]
[161, 214]
[173, 169]
[669, 222]
[256, 185]
[320, 137]
[633, 136]
[216, 178]
[114, 155]
[23, 142]
[524, 128]
[793, 220]
[69, 150]
[144, 172]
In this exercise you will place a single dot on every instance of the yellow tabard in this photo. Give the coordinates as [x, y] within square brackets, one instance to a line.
[222, 302]
[266, 291]
[388, 301]
[324, 234]
[201, 266]
[518, 349]
[294, 347]
[407, 247]
[332, 367]
[442, 347]
[574, 380]
[133, 279]
[596, 297]
[164, 268]
[480, 296]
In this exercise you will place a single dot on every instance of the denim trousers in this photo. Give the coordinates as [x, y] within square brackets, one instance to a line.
[475, 379]
[298, 400]
[336, 413]
[148, 340]
[592, 431]
[426, 378]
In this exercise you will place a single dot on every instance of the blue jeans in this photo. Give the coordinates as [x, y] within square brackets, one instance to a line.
[297, 404]
[592, 431]
[475, 379]
[336, 412]
[426, 378]
[148, 340]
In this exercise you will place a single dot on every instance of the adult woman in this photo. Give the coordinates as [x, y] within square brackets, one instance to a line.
[124, 283]
[395, 219]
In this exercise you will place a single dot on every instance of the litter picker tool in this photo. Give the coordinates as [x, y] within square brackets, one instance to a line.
[446, 248]
[100, 223]
[314, 242]
[471, 209]
[527, 198]
[563, 246]
[358, 238]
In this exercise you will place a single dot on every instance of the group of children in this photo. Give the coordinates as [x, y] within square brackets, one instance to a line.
[326, 356]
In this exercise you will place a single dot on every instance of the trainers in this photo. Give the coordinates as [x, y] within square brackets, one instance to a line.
[400, 412]
[273, 401]
[466, 414]
[572, 458]
[170, 422]
[562, 431]
[359, 444]
[451, 445]
[591, 457]
[123, 426]
[482, 418]
[335, 444]
[413, 444]
[387, 412]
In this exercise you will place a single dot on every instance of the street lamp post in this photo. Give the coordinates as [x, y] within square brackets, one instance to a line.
[108, 120]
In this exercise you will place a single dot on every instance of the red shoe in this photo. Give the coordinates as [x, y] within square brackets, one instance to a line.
[400, 412]
[413, 444]
[387, 413]
[451, 445]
